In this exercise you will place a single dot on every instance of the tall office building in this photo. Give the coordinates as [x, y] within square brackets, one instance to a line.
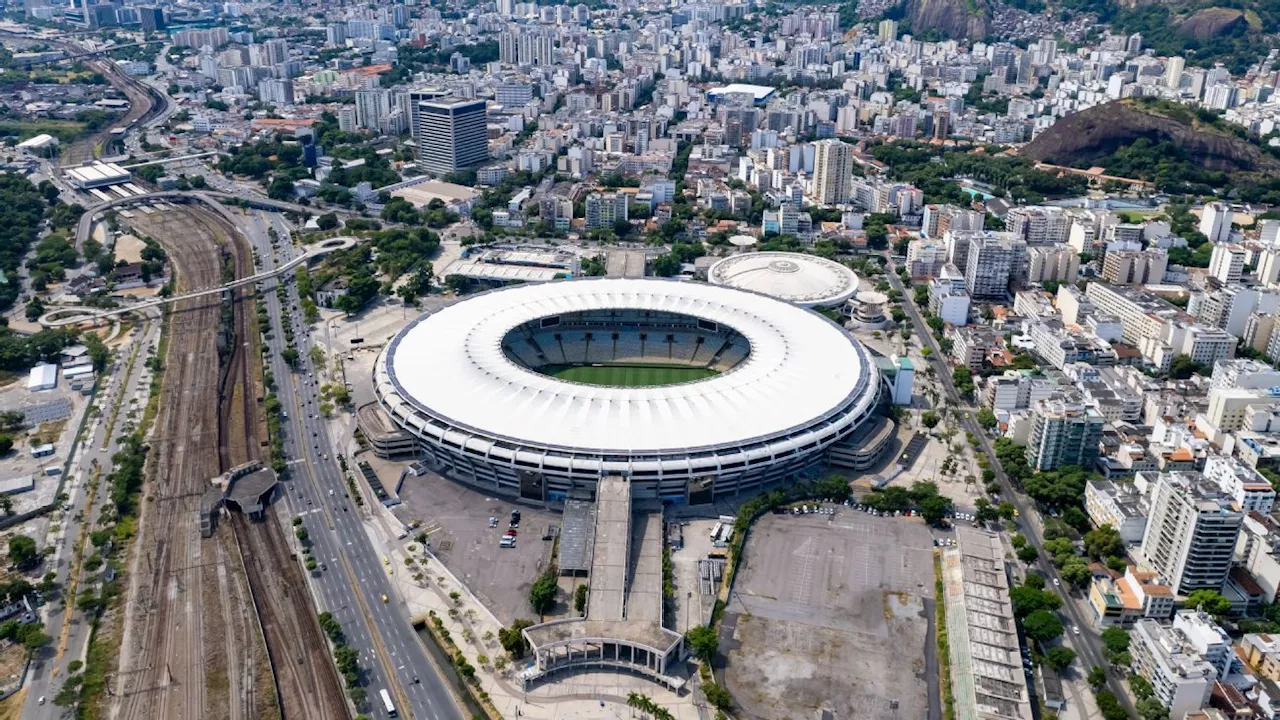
[371, 107]
[1191, 532]
[152, 18]
[408, 102]
[832, 172]
[451, 134]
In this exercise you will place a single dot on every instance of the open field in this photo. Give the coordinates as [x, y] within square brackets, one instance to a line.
[833, 612]
[627, 375]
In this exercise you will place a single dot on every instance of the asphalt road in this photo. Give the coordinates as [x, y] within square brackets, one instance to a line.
[49, 665]
[1088, 644]
[354, 579]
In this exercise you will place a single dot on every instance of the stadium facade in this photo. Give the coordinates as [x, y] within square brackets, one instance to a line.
[471, 382]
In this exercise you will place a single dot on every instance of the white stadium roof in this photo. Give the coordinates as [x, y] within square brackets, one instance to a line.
[806, 280]
[451, 364]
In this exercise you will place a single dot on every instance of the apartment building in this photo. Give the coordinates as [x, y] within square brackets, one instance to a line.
[1064, 432]
[949, 297]
[1123, 601]
[925, 257]
[938, 219]
[1180, 677]
[1073, 304]
[1135, 267]
[1039, 225]
[1251, 491]
[1227, 261]
[604, 209]
[1052, 263]
[1257, 551]
[1191, 533]
[993, 263]
[1016, 390]
[1120, 505]
[1215, 222]
[970, 345]
[1230, 308]
[1142, 314]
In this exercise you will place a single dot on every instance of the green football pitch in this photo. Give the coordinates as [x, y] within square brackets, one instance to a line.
[627, 375]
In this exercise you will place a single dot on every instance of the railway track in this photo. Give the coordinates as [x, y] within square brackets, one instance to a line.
[182, 645]
[144, 103]
[218, 628]
[305, 679]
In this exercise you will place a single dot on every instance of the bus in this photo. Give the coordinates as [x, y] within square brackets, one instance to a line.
[386, 701]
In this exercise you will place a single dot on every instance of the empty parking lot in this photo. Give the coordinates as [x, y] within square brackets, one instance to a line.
[456, 519]
[833, 612]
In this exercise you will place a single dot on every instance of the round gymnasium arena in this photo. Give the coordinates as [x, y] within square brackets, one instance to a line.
[688, 390]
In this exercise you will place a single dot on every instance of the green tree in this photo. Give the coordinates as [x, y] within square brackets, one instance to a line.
[512, 638]
[962, 376]
[986, 418]
[1210, 601]
[1059, 658]
[1097, 678]
[703, 641]
[1028, 554]
[717, 695]
[935, 508]
[1042, 626]
[327, 221]
[929, 419]
[23, 552]
[1104, 542]
[580, 599]
[6, 443]
[542, 595]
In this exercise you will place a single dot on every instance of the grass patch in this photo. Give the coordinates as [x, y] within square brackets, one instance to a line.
[944, 649]
[627, 375]
[64, 130]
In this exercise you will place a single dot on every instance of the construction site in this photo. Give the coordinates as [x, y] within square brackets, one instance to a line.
[219, 627]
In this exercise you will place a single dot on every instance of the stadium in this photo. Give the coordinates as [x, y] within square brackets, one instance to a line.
[689, 390]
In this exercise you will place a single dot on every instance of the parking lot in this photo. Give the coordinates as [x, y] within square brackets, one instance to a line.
[456, 519]
[833, 612]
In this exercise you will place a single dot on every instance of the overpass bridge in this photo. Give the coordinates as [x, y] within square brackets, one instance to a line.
[208, 197]
[63, 316]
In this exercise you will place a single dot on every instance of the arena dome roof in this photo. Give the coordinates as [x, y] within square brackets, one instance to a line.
[801, 370]
[804, 280]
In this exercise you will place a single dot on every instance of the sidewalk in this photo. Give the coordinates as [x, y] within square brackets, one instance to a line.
[474, 629]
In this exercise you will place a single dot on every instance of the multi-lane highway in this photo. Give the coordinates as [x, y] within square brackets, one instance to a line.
[353, 579]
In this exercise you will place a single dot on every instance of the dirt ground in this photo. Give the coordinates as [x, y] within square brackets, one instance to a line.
[129, 248]
[832, 612]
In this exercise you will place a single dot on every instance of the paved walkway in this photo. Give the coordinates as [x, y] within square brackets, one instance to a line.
[584, 695]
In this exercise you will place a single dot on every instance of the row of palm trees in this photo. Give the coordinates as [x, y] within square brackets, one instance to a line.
[647, 706]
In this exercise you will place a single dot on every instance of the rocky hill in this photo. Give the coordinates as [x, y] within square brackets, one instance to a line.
[953, 18]
[1101, 130]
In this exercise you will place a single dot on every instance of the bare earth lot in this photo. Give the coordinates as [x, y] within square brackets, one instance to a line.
[833, 612]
